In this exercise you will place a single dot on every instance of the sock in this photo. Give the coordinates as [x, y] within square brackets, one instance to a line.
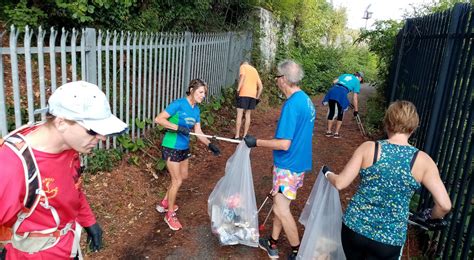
[272, 241]
[295, 249]
[169, 213]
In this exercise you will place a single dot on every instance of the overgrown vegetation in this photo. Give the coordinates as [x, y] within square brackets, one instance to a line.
[132, 15]
[381, 42]
[321, 43]
[103, 160]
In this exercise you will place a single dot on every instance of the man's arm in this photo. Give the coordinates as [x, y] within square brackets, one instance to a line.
[85, 215]
[241, 82]
[274, 144]
[259, 88]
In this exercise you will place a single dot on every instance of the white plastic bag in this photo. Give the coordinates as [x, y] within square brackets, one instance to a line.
[232, 205]
[322, 218]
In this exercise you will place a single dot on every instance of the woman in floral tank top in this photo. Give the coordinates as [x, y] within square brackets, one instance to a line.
[375, 221]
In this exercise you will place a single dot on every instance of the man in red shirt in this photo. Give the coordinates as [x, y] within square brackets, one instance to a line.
[78, 119]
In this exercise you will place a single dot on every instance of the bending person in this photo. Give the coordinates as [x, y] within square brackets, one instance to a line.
[375, 221]
[179, 118]
[338, 102]
[249, 90]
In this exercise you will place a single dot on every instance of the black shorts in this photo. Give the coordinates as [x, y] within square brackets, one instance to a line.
[247, 103]
[175, 155]
[335, 110]
[357, 246]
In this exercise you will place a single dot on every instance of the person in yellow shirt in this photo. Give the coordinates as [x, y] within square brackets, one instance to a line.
[249, 90]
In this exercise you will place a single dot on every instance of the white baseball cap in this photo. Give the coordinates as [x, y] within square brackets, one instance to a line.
[86, 104]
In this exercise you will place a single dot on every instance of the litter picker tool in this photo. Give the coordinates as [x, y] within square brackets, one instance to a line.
[262, 226]
[360, 125]
[217, 138]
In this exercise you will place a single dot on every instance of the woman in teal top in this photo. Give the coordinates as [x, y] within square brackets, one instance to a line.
[179, 118]
[375, 221]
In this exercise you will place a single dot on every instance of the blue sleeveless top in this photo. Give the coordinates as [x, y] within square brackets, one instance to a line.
[379, 209]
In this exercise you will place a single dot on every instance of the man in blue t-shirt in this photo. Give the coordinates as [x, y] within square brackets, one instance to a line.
[292, 155]
[338, 102]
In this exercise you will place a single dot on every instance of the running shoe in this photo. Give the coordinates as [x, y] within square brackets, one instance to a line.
[271, 250]
[162, 207]
[172, 220]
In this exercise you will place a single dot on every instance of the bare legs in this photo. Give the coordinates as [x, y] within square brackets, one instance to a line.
[247, 121]
[331, 123]
[238, 122]
[284, 220]
[178, 172]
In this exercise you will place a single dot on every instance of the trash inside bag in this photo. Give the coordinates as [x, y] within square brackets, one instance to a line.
[232, 205]
[322, 218]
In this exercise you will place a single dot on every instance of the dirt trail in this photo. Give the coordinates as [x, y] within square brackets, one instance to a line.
[124, 199]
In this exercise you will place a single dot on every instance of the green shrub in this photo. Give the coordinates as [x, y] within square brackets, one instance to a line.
[374, 116]
[101, 160]
[22, 15]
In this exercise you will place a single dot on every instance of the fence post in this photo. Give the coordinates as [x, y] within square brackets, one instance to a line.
[91, 56]
[230, 53]
[3, 107]
[187, 61]
[399, 61]
[442, 81]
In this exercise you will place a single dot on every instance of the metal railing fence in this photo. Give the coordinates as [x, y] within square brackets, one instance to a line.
[434, 69]
[140, 73]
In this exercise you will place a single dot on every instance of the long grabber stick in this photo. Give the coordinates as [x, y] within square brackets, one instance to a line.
[262, 226]
[360, 125]
[218, 138]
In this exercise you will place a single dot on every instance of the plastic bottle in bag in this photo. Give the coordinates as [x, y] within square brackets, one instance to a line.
[232, 205]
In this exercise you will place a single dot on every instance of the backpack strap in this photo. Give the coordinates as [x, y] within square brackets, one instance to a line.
[16, 142]
[376, 151]
[33, 194]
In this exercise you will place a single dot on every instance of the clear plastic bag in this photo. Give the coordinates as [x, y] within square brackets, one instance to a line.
[232, 205]
[322, 218]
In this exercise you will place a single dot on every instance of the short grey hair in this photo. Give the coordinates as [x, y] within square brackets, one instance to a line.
[291, 70]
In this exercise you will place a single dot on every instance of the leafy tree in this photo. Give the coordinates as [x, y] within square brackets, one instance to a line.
[312, 22]
[381, 41]
[431, 7]
[143, 15]
[22, 15]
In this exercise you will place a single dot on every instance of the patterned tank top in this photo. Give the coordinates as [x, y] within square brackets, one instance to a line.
[379, 209]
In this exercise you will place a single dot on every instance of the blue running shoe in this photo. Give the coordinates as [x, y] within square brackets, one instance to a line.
[272, 250]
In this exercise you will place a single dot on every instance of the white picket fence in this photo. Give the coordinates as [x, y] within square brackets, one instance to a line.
[141, 73]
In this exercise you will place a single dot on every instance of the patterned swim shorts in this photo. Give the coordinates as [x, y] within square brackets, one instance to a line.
[174, 154]
[287, 182]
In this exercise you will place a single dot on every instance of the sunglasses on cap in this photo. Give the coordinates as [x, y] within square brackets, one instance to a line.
[93, 133]
[89, 131]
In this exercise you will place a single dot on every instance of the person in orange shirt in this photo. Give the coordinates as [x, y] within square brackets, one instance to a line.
[249, 90]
